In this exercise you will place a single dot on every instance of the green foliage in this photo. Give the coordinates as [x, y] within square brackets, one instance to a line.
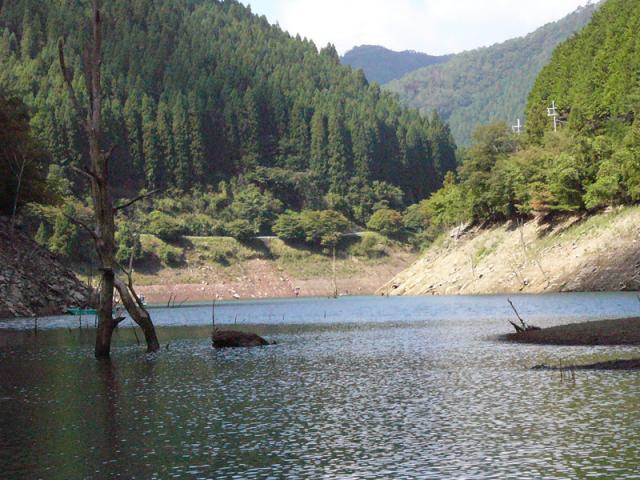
[240, 229]
[371, 245]
[65, 237]
[42, 237]
[163, 226]
[288, 227]
[593, 77]
[323, 227]
[386, 221]
[201, 225]
[128, 243]
[383, 65]
[198, 91]
[258, 209]
[593, 161]
[155, 248]
[22, 159]
[488, 84]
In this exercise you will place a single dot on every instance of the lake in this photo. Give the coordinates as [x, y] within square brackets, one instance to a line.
[357, 388]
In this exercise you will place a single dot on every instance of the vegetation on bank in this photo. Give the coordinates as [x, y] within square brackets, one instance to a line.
[592, 161]
[236, 125]
[227, 257]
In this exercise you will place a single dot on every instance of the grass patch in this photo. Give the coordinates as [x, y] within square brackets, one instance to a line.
[221, 250]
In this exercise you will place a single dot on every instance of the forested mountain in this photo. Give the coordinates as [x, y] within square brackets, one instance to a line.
[201, 91]
[488, 84]
[589, 161]
[383, 65]
[594, 78]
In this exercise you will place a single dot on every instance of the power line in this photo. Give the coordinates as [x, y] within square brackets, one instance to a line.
[553, 112]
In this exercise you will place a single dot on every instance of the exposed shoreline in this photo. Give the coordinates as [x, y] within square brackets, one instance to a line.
[614, 332]
[569, 253]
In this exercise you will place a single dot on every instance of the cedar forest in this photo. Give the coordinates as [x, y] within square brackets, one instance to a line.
[247, 130]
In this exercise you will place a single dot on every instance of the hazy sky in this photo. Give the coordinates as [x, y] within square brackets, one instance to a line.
[431, 26]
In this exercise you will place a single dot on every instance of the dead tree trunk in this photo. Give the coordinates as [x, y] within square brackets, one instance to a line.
[98, 175]
[140, 315]
[20, 167]
[333, 277]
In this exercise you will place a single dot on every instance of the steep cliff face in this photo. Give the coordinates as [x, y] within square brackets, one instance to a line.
[32, 280]
[575, 253]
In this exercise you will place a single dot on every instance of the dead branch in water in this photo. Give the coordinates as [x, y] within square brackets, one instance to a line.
[524, 326]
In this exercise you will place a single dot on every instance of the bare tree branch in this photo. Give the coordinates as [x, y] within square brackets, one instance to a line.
[137, 199]
[109, 153]
[68, 80]
[84, 172]
[19, 174]
[83, 225]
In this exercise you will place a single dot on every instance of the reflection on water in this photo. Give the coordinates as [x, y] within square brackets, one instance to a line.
[381, 388]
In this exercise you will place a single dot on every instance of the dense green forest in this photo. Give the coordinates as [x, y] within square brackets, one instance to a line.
[488, 84]
[382, 65]
[204, 98]
[591, 162]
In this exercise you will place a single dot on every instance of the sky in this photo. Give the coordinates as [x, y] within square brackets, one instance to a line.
[436, 27]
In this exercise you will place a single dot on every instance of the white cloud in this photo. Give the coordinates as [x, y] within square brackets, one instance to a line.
[432, 26]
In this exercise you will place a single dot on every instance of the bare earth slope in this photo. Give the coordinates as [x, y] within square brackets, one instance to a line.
[220, 267]
[601, 252]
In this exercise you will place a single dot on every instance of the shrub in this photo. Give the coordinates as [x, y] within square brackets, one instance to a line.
[167, 254]
[164, 227]
[201, 225]
[371, 245]
[386, 221]
[240, 229]
[324, 227]
[257, 208]
[127, 243]
[170, 256]
[288, 227]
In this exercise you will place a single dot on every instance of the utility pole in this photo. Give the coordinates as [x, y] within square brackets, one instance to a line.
[553, 112]
[517, 128]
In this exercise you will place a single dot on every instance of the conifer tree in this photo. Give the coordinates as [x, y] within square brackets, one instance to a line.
[134, 131]
[180, 124]
[150, 144]
[338, 153]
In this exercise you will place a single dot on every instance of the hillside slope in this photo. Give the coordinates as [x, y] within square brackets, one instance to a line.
[487, 84]
[200, 91]
[32, 280]
[382, 65]
[594, 78]
[224, 268]
[577, 253]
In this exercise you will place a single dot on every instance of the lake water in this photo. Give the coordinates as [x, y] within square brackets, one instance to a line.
[357, 388]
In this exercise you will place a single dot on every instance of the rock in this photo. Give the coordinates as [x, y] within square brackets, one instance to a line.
[32, 280]
[233, 339]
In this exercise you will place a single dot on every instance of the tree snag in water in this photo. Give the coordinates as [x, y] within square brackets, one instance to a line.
[524, 326]
[98, 175]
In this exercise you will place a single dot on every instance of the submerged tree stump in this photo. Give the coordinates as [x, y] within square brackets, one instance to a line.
[232, 339]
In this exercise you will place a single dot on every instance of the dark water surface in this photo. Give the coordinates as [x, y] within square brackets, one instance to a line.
[356, 388]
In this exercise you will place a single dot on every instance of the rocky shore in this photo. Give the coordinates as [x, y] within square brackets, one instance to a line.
[33, 282]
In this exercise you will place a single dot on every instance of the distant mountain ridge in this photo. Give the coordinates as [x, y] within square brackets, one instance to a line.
[488, 84]
[382, 65]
